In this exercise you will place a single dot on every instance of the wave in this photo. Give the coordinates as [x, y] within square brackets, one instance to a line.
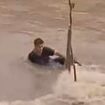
[88, 90]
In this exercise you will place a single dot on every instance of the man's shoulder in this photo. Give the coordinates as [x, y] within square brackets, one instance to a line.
[48, 48]
[48, 51]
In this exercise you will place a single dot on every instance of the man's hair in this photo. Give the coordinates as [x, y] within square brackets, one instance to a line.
[38, 41]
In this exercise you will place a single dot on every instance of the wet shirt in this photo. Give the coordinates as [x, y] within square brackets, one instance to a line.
[43, 58]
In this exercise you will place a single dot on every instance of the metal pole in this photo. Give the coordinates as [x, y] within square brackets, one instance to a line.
[69, 52]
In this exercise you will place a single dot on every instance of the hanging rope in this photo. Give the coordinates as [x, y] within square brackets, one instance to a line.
[69, 52]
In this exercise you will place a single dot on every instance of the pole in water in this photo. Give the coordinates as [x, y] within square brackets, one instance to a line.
[69, 52]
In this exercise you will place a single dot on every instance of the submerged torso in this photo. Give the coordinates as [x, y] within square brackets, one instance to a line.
[43, 58]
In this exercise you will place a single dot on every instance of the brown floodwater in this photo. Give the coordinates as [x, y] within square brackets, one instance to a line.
[21, 21]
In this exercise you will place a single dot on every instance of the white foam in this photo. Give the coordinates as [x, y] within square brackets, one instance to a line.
[90, 88]
[90, 84]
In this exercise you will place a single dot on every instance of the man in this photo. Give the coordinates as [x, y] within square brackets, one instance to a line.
[42, 54]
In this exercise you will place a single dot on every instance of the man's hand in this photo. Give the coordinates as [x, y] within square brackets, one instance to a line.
[78, 63]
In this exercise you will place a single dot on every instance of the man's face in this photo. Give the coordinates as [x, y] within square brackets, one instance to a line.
[39, 47]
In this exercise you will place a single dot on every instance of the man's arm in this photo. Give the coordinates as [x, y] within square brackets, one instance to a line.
[58, 54]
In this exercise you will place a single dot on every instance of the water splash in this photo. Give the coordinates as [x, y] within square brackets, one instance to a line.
[90, 84]
[88, 90]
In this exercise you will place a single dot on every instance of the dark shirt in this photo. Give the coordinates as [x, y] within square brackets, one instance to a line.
[43, 58]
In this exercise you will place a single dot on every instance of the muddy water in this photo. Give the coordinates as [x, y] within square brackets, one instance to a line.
[23, 20]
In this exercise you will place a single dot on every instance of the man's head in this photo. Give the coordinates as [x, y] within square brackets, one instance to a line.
[38, 43]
